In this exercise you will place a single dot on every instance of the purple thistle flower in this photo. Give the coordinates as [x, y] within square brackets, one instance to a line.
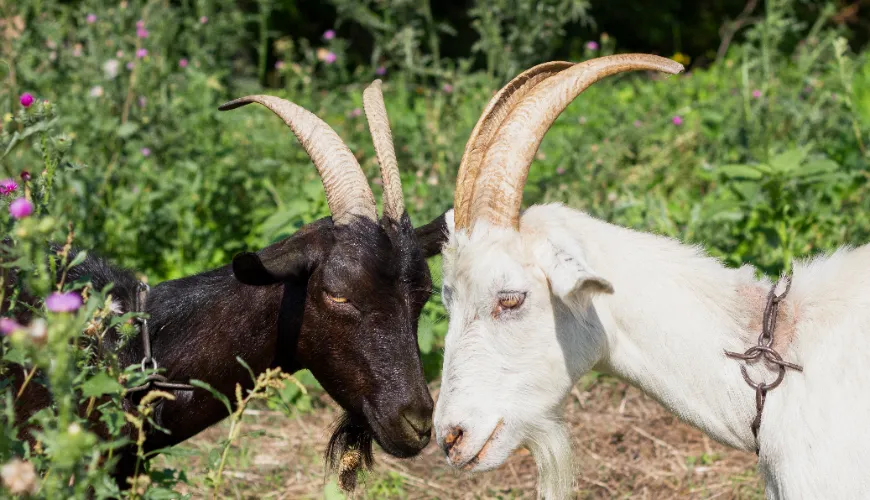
[140, 24]
[330, 58]
[26, 99]
[592, 45]
[203, 20]
[756, 93]
[142, 33]
[8, 186]
[381, 71]
[279, 65]
[356, 112]
[329, 34]
[9, 325]
[146, 152]
[182, 63]
[447, 88]
[91, 19]
[560, 170]
[638, 124]
[25, 175]
[21, 208]
[131, 65]
[141, 53]
[63, 302]
[677, 120]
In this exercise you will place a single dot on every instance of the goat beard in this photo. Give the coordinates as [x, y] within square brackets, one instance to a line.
[550, 444]
[349, 449]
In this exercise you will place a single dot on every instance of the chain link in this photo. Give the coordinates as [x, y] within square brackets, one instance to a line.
[764, 350]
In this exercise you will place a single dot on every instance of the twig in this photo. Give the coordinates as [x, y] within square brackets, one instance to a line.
[728, 30]
[679, 454]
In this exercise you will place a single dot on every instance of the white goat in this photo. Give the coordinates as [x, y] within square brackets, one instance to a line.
[536, 301]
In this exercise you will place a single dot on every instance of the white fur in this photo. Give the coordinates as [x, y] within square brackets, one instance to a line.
[671, 314]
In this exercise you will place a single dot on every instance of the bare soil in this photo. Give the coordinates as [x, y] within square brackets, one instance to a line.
[625, 445]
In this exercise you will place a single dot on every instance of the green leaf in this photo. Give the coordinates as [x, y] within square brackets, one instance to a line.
[100, 384]
[127, 129]
[788, 161]
[78, 259]
[818, 167]
[214, 392]
[740, 172]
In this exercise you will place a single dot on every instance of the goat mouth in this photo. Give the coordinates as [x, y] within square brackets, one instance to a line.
[481, 454]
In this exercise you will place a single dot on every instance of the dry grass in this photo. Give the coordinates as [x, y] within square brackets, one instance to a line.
[626, 446]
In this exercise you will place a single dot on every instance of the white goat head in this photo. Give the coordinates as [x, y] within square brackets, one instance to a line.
[517, 292]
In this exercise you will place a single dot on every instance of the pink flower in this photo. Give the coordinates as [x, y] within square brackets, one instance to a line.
[146, 152]
[25, 175]
[592, 45]
[131, 65]
[142, 33]
[21, 208]
[8, 186]
[91, 19]
[140, 24]
[381, 71]
[182, 63]
[638, 123]
[677, 120]
[560, 170]
[141, 53]
[447, 88]
[756, 93]
[143, 101]
[356, 112]
[329, 34]
[279, 65]
[330, 58]
[203, 20]
[63, 302]
[9, 325]
[26, 100]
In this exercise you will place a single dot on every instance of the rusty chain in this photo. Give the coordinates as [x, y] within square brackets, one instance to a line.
[155, 380]
[764, 350]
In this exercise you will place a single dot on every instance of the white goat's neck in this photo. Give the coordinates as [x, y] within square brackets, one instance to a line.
[673, 314]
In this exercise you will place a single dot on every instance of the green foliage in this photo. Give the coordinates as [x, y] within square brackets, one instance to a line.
[760, 158]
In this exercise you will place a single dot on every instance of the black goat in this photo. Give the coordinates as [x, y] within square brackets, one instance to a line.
[341, 297]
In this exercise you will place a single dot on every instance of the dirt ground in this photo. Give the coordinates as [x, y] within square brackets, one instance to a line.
[625, 445]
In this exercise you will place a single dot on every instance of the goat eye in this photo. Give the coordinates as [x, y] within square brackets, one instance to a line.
[510, 300]
[338, 299]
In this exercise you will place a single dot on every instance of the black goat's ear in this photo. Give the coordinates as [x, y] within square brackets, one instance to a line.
[292, 258]
[432, 236]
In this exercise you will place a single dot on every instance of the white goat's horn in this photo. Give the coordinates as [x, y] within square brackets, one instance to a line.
[498, 188]
[481, 137]
[379, 126]
[347, 191]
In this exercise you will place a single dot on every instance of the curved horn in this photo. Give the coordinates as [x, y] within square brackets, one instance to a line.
[498, 190]
[347, 191]
[379, 126]
[491, 119]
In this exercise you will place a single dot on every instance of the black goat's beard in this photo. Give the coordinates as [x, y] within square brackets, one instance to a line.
[350, 433]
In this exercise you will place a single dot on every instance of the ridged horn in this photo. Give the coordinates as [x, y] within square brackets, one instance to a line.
[498, 189]
[347, 191]
[382, 137]
[484, 131]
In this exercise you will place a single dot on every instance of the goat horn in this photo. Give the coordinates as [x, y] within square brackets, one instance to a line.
[347, 191]
[379, 126]
[487, 126]
[498, 190]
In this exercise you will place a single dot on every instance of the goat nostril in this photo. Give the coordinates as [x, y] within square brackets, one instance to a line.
[453, 438]
[419, 423]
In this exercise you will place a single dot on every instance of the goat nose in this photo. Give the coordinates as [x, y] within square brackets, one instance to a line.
[452, 438]
[419, 421]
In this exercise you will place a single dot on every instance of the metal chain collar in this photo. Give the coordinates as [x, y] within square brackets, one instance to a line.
[764, 350]
[155, 380]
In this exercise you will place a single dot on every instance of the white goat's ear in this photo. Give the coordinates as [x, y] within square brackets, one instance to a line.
[449, 222]
[568, 272]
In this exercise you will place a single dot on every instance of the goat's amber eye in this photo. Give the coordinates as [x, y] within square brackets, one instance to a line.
[510, 300]
[338, 299]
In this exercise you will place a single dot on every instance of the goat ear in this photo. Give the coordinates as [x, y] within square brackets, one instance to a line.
[432, 236]
[568, 272]
[286, 260]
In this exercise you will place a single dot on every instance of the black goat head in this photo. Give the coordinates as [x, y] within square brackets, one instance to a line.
[365, 283]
